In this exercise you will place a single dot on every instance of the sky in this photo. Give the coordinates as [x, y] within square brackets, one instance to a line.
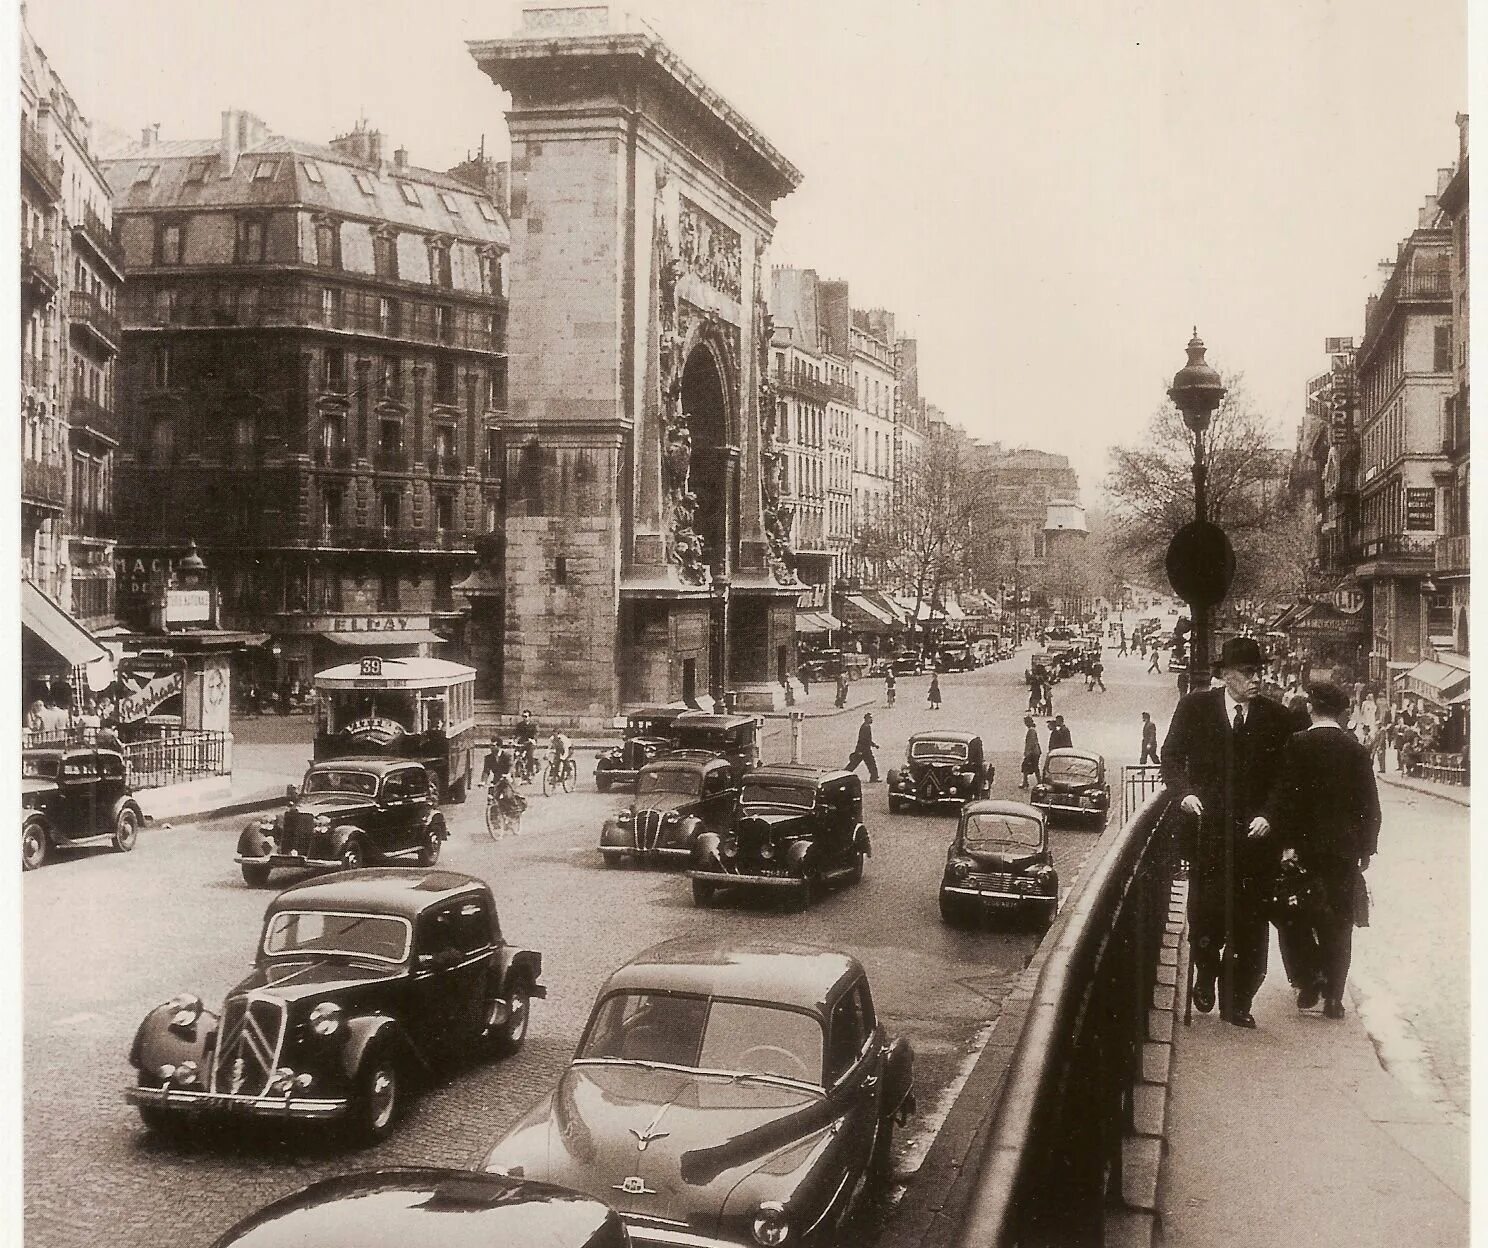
[1050, 196]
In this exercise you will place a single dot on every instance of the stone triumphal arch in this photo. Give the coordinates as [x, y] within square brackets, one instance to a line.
[645, 558]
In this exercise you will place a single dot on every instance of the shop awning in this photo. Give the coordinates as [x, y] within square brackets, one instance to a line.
[830, 620]
[391, 637]
[1436, 682]
[57, 630]
[811, 622]
[874, 613]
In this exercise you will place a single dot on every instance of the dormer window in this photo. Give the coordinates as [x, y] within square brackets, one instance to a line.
[312, 172]
[487, 209]
[265, 170]
[196, 171]
[439, 263]
[364, 183]
[450, 203]
[145, 174]
[410, 194]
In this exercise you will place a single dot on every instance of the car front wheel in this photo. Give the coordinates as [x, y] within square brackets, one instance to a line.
[429, 852]
[512, 1034]
[34, 846]
[351, 856]
[126, 831]
[374, 1104]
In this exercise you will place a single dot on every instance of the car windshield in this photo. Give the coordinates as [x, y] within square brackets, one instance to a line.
[378, 936]
[670, 780]
[714, 740]
[1072, 770]
[335, 780]
[983, 830]
[938, 749]
[39, 766]
[778, 793]
[746, 1037]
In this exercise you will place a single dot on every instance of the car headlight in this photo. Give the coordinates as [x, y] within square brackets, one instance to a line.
[673, 816]
[326, 1019]
[958, 868]
[626, 816]
[186, 1074]
[770, 1225]
[187, 1009]
[729, 849]
[767, 850]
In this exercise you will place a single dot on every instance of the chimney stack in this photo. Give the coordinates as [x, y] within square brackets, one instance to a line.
[1428, 214]
[400, 157]
[230, 147]
[147, 136]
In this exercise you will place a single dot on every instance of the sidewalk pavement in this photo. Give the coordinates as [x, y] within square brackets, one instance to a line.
[1460, 794]
[1293, 1135]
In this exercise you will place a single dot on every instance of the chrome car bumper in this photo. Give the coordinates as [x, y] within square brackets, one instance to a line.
[193, 1101]
[983, 894]
[729, 879]
[661, 851]
[1065, 805]
[648, 1233]
[285, 860]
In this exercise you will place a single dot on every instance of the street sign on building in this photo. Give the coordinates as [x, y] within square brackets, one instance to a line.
[1420, 509]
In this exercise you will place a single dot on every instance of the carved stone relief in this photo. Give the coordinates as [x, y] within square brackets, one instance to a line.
[684, 546]
[777, 516]
[710, 250]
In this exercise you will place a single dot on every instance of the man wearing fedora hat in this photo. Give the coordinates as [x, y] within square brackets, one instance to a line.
[1220, 760]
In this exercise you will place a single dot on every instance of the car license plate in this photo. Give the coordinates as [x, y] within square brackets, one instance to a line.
[1000, 903]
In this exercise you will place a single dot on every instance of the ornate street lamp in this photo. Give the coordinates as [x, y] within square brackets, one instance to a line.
[1196, 392]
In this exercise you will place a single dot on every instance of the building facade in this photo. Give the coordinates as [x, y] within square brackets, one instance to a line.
[72, 271]
[314, 368]
[1452, 560]
[1405, 377]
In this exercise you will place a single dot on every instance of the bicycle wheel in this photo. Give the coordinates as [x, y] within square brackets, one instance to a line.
[493, 820]
[549, 781]
[570, 775]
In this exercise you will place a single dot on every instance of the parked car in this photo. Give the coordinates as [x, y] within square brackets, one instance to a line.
[1074, 783]
[907, 663]
[648, 734]
[956, 657]
[724, 1095]
[940, 767]
[677, 797]
[999, 863]
[75, 795]
[796, 830]
[348, 813]
[823, 664]
[427, 1207]
[361, 981]
[734, 737]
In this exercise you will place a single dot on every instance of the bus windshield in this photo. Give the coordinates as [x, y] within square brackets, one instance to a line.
[350, 707]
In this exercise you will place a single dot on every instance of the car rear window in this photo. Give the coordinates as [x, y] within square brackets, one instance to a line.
[1072, 770]
[336, 781]
[669, 780]
[700, 1033]
[938, 749]
[992, 831]
[381, 937]
[778, 794]
[39, 768]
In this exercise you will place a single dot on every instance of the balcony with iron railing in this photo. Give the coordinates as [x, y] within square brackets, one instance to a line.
[37, 159]
[43, 484]
[38, 267]
[391, 537]
[100, 239]
[88, 312]
[1453, 554]
[94, 418]
[813, 388]
[94, 522]
[36, 370]
[449, 465]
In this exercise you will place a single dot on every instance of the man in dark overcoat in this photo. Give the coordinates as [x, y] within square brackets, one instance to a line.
[1220, 760]
[1325, 810]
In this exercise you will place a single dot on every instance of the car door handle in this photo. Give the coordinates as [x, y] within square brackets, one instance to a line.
[870, 1081]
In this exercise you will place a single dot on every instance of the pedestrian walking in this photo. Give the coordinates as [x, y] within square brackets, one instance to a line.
[934, 694]
[804, 672]
[841, 689]
[1035, 691]
[1376, 746]
[1149, 741]
[1032, 751]
[1121, 649]
[1097, 669]
[889, 683]
[1155, 665]
[1326, 812]
[864, 751]
[1220, 759]
[1059, 734]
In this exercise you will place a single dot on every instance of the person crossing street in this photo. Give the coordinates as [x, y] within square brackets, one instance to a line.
[1149, 741]
[1155, 665]
[863, 753]
[1032, 751]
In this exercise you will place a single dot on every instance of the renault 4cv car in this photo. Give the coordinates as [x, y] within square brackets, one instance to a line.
[429, 1207]
[734, 737]
[1074, 783]
[361, 982]
[677, 797]
[940, 767]
[796, 829]
[999, 863]
[75, 795]
[648, 734]
[348, 813]
[724, 1095]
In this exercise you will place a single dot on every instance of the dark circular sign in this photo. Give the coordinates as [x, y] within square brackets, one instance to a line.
[1200, 564]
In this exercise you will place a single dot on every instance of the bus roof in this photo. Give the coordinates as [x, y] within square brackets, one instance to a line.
[395, 674]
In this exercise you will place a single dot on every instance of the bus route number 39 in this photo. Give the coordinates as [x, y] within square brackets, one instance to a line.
[371, 666]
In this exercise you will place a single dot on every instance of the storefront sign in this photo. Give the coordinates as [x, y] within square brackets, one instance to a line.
[149, 696]
[1420, 509]
[345, 623]
[1349, 601]
[188, 606]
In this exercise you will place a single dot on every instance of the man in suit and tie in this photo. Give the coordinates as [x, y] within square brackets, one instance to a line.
[1326, 812]
[1220, 760]
[1149, 740]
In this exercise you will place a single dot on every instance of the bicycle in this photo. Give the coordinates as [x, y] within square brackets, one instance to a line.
[524, 766]
[503, 817]
[555, 776]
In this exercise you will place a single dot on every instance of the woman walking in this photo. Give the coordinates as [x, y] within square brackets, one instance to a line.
[935, 692]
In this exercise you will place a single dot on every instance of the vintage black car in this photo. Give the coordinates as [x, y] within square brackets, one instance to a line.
[648, 734]
[734, 737]
[724, 1095]
[427, 1207]
[361, 982]
[999, 863]
[75, 795]
[677, 797]
[796, 829]
[907, 663]
[1074, 783]
[348, 813]
[955, 657]
[940, 767]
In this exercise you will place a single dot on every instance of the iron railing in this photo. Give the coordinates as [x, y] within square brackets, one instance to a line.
[39, 265]
[101, 238]
[175, 757]
[87, 310]
[1051, 1167]
[85, 413]
[37, 156]
[1419, 545]
[43, 483]
[1138, 783]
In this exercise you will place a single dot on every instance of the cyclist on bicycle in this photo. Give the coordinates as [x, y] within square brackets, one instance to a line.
[560, 754]
[498, 762]
[527, 741]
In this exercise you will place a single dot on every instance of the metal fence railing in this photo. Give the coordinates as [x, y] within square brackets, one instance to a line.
[1051, 1166]
[172, 757]
[1137, 785]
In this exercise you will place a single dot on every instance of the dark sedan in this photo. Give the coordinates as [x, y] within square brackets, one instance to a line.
[723, 1095]
[999, 863]
[940, 767]
[75, 795]
[677, 797]
[1074, 784]
[424, 1207]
